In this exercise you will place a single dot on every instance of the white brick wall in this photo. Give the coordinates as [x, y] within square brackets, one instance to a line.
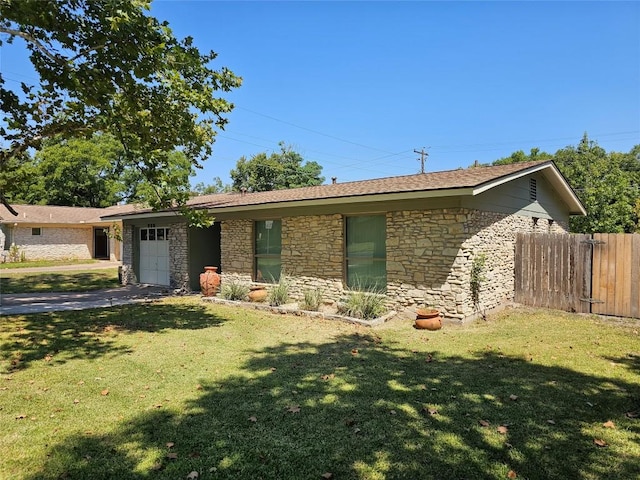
[54, 243]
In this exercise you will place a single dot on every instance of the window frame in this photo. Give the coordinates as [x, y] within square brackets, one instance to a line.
[346, 257]
[36, 229]
[257, 256]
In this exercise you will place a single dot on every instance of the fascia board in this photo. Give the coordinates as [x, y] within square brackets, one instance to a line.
[384, 197]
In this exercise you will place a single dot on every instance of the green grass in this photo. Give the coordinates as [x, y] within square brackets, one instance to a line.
[162, 390]
[46, 263]
[64, 281]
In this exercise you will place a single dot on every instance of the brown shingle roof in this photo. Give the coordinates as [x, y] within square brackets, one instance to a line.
[473, 177]
[445, 180]
[43, 214]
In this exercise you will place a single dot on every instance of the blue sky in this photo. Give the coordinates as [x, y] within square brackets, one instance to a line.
[357, 86]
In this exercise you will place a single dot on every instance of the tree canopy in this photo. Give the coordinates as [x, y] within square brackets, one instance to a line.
[278, 171]
[108, 66]
[608, 184]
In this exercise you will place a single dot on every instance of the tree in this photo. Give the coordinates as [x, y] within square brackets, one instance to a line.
[74, 172]
[108, 66]
[216, 187]
[608, 184]
[277, 171]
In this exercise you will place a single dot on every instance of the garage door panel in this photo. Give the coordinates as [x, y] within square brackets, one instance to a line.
[154, 256]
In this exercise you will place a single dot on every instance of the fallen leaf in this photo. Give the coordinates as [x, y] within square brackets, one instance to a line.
[349, 422]
[609, 424]
[429, 358]
[599, 442]
[356, 430]
[354, 351]
[293, 409]
[392, 412]
[157, 405]
[192, 475]
[104, 392]
[253, 419]
[551, 422]
[328, 377]
[514, 398]
[484, 423]
[430, 411]
[502, 429]
[170, 444]
[632, 414]
[172, 456]
[76, 401]
[198, 387]
[21, 417]
[273, 369]
[327, 475]
[512, 474]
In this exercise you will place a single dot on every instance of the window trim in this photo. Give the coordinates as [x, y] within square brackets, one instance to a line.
[345, 262]
[36, 229]
[256, 256]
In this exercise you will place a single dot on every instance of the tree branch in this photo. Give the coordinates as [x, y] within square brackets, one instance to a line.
[5, 202]
[17, 33]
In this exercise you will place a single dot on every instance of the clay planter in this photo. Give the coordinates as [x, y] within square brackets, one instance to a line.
[209, 282]
[428, 319]
[258, 293]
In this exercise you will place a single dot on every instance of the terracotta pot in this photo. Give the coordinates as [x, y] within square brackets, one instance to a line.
[427, 313]
[428, 319]
[258, 293]
[210, 281]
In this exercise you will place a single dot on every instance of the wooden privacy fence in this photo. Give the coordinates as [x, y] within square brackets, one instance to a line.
[597, 273]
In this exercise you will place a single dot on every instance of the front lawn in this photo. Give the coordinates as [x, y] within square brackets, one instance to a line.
[180, 389]
[46, 263]
[62, 281]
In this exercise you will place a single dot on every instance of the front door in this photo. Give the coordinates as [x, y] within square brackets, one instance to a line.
[101, 243]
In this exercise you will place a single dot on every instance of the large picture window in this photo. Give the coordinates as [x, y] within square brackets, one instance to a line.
[268, 237]
[366, 252]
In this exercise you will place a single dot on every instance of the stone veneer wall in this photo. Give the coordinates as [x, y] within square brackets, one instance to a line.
[179, 256]
[429, 255]
[54, 243]
[236, 250]
[312, 254]
[128, 275]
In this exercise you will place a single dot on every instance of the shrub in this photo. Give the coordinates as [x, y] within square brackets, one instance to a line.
[312, 299]
[234, 290]
[279, 293]
[364, 305]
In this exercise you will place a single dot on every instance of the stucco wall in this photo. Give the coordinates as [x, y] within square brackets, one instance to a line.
[54, 243]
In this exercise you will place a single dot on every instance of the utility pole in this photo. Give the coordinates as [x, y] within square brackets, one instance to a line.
[423, 158]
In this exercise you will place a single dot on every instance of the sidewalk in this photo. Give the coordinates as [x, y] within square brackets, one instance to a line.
[24, 303]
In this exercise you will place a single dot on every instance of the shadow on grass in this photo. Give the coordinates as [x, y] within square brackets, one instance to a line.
[87, 334]
[372, 410]
[58, 282]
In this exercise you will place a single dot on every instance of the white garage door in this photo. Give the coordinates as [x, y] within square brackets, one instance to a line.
[154, 255]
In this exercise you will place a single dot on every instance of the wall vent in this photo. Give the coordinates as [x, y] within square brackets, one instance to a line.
[533, 190]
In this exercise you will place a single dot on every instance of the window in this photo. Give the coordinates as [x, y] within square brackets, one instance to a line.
[268, 237]
[152, 234]
[36, 231]
[366, 252]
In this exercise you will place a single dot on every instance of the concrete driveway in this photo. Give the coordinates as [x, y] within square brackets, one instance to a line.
[24, 303]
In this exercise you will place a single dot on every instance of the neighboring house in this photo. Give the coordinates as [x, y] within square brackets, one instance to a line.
[46, 232]
[414, 237]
